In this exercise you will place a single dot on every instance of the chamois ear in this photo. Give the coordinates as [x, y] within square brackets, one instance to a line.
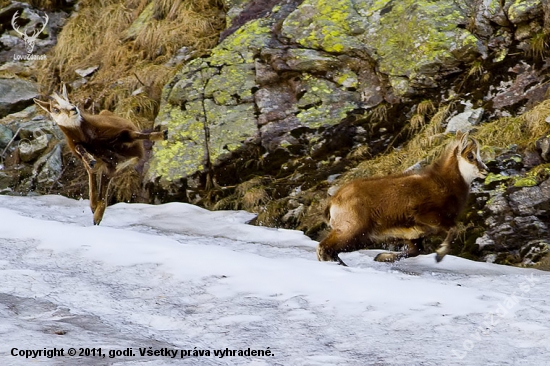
[462, 139]
[57, 98]
[65, 95]
[44, 105]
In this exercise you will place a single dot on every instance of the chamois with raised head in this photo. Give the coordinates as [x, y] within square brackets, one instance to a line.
[105, 143]
[407, 206]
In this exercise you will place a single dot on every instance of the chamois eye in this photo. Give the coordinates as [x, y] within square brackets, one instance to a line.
[470, 156]
[55, 110]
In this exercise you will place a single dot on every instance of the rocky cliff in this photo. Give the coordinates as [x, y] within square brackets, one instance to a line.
[287, 100]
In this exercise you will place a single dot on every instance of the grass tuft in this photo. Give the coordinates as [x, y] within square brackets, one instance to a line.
[538, 45]
[251, 194]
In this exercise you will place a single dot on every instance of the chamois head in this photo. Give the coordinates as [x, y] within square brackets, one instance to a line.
[61, 110]
[469, 161]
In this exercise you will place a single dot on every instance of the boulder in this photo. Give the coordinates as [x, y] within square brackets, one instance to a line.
[16, 94]
[411, 41]
[48, 168]
[6, 135]
[29, 150]
[524, 10]
[466, 120]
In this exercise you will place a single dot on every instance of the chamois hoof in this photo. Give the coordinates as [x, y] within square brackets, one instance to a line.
[386, 257]
[323, 254]
[439, 257]
[165, 134]
[340, 261]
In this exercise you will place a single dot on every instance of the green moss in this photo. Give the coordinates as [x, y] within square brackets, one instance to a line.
[518, 11]
[540, 172]
[491, 178]
[184, 152]
[407, 37]
[232, 85]
[346, 78]
[525, 182]
[229, 128]
[243, 45]
[331, 27]
[190, 83]
[324, 103]
[413, 35]
[141, 22]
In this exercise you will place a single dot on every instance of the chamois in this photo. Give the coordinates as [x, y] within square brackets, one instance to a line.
[407, 206]
[105, 143]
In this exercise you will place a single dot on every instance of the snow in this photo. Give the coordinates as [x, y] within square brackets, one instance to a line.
[179, 277]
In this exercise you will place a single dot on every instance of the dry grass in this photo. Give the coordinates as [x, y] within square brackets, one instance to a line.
[104, 33]
[252, 194]
[430, 141]
[425, 107]
[379, 113]
[538, 45]
[426, 144]
[39, 4]
[361, 153]
[418, 120]
[130, 41]
[476, 69]
[126, 186]
[523, 130]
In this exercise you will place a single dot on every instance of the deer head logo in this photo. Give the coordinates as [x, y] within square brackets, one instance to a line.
[30, 41]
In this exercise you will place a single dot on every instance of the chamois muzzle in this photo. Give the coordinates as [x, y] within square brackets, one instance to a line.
[483, 170]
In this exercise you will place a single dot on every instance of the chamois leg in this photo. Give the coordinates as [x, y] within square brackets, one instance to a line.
[337, 242]
[445, 247]
[412, 250]
[87, 158]
[105, 180]
[153, 136]
[92, 189]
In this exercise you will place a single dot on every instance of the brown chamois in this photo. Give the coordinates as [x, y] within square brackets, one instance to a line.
[407, 206]
[105, 143]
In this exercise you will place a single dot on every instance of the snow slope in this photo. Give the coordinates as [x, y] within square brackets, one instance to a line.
[177, 277]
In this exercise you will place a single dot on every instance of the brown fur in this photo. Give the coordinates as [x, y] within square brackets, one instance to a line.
[105, 143]
[404, 206]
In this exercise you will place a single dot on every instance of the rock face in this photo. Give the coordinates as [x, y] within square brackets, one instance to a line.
[280, 80]
[30, 144]
[16, 94]
[516, 218]
[33, 159]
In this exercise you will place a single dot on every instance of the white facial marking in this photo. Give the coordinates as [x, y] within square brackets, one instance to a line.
[468, 170]
[64, 114]
[62, 119]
